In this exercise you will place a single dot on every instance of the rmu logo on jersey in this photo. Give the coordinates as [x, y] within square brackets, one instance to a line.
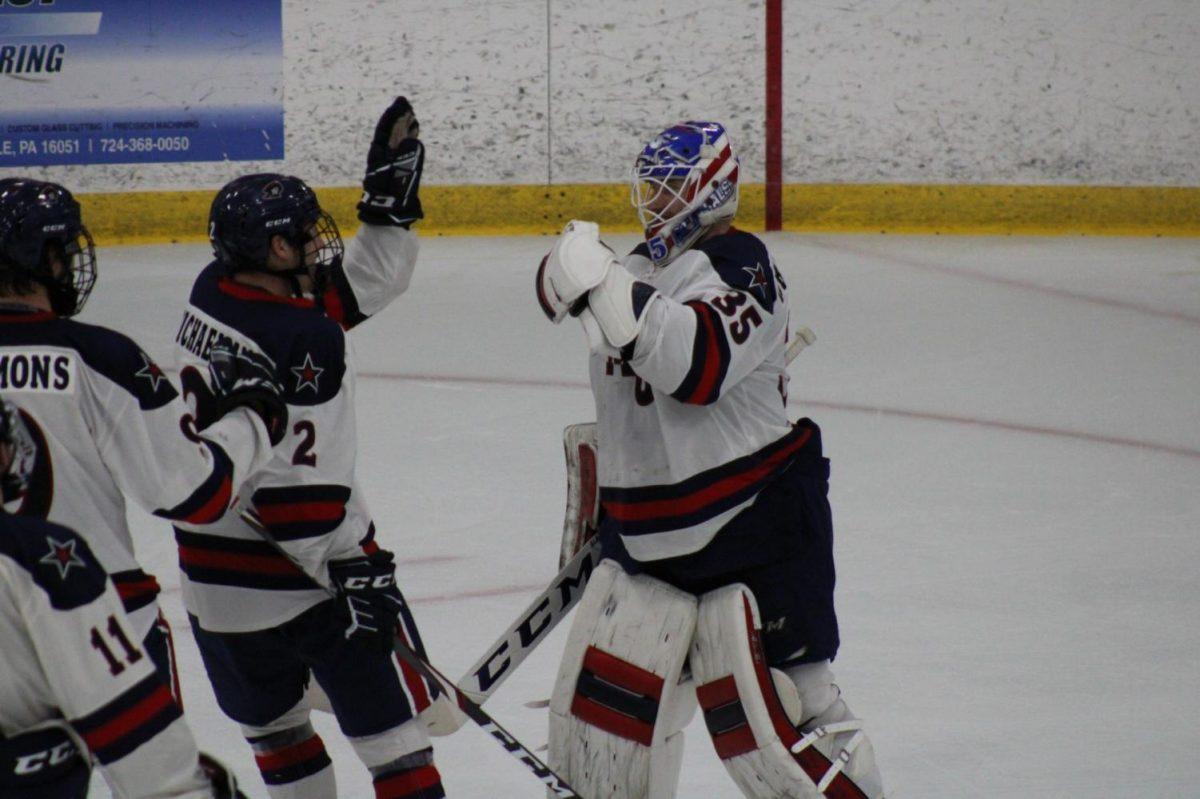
[42, 372]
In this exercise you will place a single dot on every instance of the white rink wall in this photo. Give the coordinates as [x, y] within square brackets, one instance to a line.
[875, 91]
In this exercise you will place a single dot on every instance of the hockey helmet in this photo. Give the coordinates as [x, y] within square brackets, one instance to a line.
[251, 210]
[43, 240]
[684, 181]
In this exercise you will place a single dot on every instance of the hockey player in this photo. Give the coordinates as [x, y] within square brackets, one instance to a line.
[109, 423]
[714, 519]
[74, 684]
[258, 586]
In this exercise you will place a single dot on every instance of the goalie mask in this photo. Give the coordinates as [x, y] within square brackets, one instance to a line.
[249, 212]
[43, 240]
[684, 182]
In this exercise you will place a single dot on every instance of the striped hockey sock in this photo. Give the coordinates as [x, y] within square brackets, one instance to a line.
[410, 777]
[294, 764]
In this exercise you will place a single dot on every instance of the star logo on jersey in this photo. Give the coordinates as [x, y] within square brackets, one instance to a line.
[308, 374]
[758, 278]
[151, 373]
[62, 556]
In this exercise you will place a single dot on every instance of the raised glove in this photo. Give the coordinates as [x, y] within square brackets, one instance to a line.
[366, 586]
[244, 378]
[394, 165]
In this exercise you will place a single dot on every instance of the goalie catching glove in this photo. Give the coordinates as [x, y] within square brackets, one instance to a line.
[582, 276]
[242, 378]
[366, 586]
[394, 165]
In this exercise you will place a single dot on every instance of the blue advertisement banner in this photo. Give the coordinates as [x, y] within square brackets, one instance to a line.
[140, 81]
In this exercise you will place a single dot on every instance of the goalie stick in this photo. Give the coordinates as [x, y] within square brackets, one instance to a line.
[554, 783]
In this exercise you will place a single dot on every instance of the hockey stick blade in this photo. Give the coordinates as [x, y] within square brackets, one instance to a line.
[531, 628]
[473, 711]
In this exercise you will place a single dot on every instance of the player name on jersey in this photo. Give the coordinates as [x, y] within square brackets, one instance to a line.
[43, 371]
[197, 334]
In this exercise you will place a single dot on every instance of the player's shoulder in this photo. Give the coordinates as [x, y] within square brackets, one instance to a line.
[742, 262]
[51, 354]
[56, 558]
[307, 346]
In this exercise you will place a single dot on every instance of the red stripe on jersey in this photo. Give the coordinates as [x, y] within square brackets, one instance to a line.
[134, 589]
[407, 783]
[712, 354]
[244, 292]
[290, 512]
[643, 511]
[215, 508]
[290, 755]
[130, 720]
[611, 669]
[239, 562]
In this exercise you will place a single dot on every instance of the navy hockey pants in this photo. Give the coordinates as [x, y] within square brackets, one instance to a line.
[260, 675]
[781, 548]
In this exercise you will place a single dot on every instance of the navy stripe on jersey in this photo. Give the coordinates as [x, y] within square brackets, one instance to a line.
[710, 358]
[129, 721]
[209, 502]
[217, 560]
[136, 588]
[104, 351]
[655, 509]
[301, 511]
[339, 301]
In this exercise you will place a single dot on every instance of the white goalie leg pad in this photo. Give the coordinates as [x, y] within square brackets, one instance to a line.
[617, 713]
[753, 728]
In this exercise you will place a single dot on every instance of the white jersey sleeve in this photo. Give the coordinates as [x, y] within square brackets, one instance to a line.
[721, 327]
[71, 653]
[154, 456]
[377, 269]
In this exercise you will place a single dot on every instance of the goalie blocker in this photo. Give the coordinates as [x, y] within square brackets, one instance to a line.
[622, 700]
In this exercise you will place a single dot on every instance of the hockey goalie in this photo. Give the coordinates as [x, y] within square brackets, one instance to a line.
[716, 587]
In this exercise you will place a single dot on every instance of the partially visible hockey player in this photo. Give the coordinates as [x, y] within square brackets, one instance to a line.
[74, 683]
[261, 609]
[714, 514]
[109, 423]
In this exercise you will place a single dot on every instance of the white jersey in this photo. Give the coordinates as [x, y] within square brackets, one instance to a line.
[306, 497]
[110, 425]
[692, 422]
[70, 655]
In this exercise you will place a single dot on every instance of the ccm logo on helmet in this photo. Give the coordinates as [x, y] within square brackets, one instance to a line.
[287, 220]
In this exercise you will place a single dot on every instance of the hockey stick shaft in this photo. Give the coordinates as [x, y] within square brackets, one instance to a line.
[531, 628]
[473, 711]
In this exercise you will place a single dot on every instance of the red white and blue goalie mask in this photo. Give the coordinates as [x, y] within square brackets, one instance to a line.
[684, 182]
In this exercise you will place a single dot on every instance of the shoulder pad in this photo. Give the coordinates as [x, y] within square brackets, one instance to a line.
[314, 364]
[102, 350]
[59, 561]
[742, 261]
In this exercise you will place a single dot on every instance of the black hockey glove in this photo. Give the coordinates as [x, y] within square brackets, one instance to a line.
[223, 783]
[243, 378]
[366, 587]
[394, 165]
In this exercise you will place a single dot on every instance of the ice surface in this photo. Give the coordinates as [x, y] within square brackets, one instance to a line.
[1014, 426]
